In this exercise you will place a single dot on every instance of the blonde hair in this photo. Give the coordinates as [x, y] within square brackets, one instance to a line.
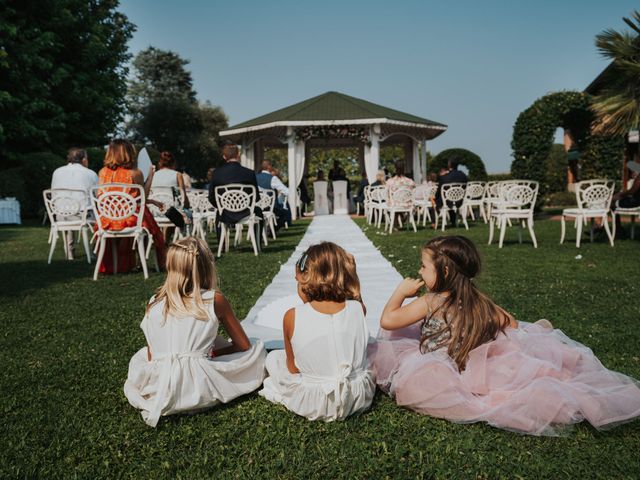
[190, 268]
[470, 316]
[328, 273]
[380, 176]
[121, 153]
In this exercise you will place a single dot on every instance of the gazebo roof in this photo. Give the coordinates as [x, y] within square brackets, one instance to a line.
[333, 108]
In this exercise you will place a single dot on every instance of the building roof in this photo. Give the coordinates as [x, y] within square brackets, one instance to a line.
[599, 82]
[332, 108]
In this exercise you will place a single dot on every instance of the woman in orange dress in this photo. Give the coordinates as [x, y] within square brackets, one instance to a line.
[120, 166]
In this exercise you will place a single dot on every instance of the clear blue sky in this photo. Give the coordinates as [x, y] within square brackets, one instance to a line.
[473, 65]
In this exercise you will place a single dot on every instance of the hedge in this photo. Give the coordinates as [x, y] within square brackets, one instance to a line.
[473, 162]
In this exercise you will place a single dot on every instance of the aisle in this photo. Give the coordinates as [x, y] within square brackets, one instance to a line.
[378, 278]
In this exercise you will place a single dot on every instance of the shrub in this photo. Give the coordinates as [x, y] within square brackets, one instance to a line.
[560, 199]
[473, 162]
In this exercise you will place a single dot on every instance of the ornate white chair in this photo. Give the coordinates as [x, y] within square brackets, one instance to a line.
[515, 202]
[234, 198]
[111, 201]
[67, 213]
[490, 196]
[340, 197]
[474, 197]
[593, 198]
[320, 198]
[366, 204]
[451, 194]
[202, 215]
[632, 213]
[422, 202]
[266, 203]
[166, 197]
[400, 201]
[379, 202]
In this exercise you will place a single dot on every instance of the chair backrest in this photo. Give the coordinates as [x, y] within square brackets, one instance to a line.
[320, 200]
[519, 195]
[491, 189]
[421, 192]
[402, 196]
[163, 195]
[115, 201]
[474, 191]
[199, 201]
[62, 203]
[367, 193]
[433, 191]
[594, 194]
[267, 199]
[340, 198]
[452, 192]
[379, 194]
[235, 197]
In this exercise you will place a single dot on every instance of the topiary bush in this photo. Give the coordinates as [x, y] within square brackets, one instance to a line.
[473, 162]
[533, 135]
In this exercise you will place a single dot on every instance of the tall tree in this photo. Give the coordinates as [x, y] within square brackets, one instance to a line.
[618, 104]
[62, 74]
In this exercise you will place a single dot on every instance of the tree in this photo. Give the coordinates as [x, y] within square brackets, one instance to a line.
[164, 111]
[617, 106]
[62, 74]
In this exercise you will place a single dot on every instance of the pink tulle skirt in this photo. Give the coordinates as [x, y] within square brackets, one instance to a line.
[533, 379]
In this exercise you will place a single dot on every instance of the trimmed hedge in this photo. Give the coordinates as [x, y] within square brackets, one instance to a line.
[473, 162]
[533, 135]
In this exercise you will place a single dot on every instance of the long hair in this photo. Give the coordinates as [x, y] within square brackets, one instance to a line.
[470, 316]
[328, 273]
[190, 268]
[121, 153]
[166, 160]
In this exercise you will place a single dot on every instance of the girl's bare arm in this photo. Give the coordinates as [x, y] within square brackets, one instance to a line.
[239, 340]
[288, 326]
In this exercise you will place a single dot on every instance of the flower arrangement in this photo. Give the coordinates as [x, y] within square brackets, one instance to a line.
[334, 131]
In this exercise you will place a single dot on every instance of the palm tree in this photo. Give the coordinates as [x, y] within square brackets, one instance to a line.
[617, 105]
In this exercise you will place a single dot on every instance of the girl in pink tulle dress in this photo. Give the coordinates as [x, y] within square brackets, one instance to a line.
[453, 353]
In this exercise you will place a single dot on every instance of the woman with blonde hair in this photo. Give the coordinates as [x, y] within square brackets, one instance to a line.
[120, 166]
[322, 373]
[186, 366]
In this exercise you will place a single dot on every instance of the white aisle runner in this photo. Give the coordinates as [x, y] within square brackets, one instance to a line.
[378, 278]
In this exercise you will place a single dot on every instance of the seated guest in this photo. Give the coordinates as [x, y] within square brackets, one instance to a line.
[305, 199]
[320, 176]
[364, 182]
[380, 179]
[167, 177]
[121, 166]
[453, 175]
[630, 198]
[334, 173]
[232, 172]
[75, 176]
[399, 180]
[268, 181]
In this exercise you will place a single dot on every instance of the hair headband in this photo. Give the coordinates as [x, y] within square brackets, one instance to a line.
[192, 250]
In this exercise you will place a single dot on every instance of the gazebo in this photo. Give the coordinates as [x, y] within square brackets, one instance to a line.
[334, 120]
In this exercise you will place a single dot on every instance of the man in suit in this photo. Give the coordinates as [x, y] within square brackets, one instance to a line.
[232, 172]
[452, 176]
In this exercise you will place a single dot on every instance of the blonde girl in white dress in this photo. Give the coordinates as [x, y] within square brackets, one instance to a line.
[322, 373]
[185, 366]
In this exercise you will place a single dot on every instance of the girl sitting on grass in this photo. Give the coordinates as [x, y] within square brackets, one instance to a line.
[185, 366]
[453, 353]
[322, 373]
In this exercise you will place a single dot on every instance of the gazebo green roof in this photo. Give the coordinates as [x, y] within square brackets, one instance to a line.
[333, 108]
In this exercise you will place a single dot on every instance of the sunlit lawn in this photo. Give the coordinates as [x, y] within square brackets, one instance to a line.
[66, 343]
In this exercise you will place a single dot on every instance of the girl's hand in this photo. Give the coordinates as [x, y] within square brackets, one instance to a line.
[409, 287]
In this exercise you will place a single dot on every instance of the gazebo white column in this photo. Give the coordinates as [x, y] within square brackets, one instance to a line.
[246, 156]
[372, 154]
[417, 170]
[423, 159]
[292, 152]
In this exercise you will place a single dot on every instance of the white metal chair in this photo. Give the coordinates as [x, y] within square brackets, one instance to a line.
[165, 196]
[593, 198]
[366, 204]
[267, 203]
[320, 198]
[490, 196]
[515, 202]
[474, 197]
[340, 197]
[400, 201]
[234, 198]
[422, 202]
[379, 201]
[201, 212]
[451, 194]
[632, 213]
[67, 213]
[113, 202]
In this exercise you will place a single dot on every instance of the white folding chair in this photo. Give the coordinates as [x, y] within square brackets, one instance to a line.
[267, 203]
[234, 198]
[67, 213]
[593, 198]
[516, 201]
[474, 197]
[400, 201]
[113, 202]
[450, 194]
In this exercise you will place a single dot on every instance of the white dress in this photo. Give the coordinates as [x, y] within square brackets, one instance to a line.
[180, 377]
[331, 353]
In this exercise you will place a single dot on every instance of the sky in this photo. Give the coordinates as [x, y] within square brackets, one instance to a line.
[472, 65]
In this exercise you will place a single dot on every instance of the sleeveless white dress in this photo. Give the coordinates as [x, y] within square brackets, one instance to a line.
[180, 378]
[331, 353]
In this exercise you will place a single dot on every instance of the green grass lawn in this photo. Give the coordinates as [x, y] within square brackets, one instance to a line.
[67, 341]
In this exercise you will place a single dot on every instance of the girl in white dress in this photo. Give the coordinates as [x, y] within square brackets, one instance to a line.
[185, 366]
[322, 373]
